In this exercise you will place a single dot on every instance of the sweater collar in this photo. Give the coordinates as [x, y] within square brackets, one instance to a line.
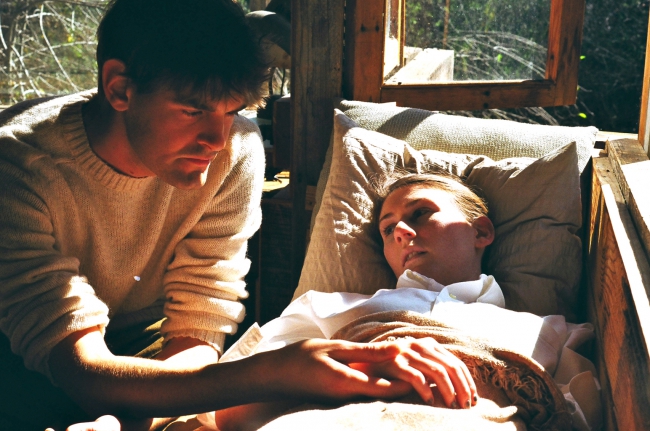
[75, 134]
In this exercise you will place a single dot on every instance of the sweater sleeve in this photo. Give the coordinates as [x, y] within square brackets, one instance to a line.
[204, 282]
[43, 298]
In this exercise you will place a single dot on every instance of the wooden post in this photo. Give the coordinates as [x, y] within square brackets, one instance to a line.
[644, 123]
[316, 78]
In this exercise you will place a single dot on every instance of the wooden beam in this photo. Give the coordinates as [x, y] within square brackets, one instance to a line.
[631, 166]
[316, 78]
[364, 56]
[644, 121]
[564, 40]
[471, 95]
[619, 277]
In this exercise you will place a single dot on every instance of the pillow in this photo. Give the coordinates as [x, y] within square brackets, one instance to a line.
[534, 205]
[497, 139]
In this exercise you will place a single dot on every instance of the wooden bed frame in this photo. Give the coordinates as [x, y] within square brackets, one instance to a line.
[617, 273]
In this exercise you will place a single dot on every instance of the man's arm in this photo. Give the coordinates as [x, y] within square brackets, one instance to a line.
[314, 370]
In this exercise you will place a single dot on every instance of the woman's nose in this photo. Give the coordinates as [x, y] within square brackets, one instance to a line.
[403, 232]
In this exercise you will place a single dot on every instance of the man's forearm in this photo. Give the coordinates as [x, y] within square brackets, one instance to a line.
[143, 388]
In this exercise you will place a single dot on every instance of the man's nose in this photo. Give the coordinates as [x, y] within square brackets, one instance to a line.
[213, 133]
[403, 232]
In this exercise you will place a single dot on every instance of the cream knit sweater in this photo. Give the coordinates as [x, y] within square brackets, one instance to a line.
[81, 243]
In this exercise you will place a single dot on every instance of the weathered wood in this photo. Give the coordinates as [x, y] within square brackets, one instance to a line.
[316, 78]
[429, 65]
[644, 121]
[364, 57]
[471, 95]
[632, 169]
[364, 66]
[564, 40]
[393, 41]
[619, 276]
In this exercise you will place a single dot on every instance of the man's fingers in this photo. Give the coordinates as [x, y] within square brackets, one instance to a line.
[348, 352]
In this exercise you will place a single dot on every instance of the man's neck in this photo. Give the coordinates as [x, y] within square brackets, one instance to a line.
[106, 133]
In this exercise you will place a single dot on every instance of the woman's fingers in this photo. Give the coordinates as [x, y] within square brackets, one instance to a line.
[423, 361]
[104, 423]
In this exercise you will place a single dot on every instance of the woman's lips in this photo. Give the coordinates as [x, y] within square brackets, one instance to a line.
[411, 255]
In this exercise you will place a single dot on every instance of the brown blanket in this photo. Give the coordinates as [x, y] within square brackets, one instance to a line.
[515, 391]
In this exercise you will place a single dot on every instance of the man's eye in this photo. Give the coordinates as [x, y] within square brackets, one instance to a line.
[192, 113]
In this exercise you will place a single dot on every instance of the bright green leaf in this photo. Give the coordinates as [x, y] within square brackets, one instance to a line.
[582, 115]
[499, 57]
[582, 57]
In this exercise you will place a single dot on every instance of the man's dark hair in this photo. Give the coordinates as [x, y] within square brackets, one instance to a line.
[202, 47]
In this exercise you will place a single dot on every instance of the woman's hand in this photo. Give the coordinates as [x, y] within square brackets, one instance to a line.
[390, 369]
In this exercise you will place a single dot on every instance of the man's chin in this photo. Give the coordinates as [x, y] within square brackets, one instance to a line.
[191, 181]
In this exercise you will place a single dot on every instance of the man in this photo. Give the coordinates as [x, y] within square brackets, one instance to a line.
[123, 236]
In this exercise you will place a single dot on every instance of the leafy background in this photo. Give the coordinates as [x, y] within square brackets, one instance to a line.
[48, 48]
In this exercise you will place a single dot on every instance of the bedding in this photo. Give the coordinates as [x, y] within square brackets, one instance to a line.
[535, 205]
[526, 367]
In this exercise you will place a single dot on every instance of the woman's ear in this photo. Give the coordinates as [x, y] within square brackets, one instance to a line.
[484, 231]
[117, 86]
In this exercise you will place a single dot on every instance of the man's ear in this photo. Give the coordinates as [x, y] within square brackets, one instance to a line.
[484, 231]
[117, 86]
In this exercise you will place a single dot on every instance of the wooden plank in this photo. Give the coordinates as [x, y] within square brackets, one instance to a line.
[471, 95]
[429, 65]
[619, 308]
[644, 121]
[632, 169]
[316, 78]
[364, 30]
[564, 40]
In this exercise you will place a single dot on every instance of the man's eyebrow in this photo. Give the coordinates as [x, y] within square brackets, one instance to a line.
[201, 105]
[193, 102]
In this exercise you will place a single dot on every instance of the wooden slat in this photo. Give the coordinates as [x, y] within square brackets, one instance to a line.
[364, 57]
[564, 40]
[316, 78]
[632, 169]
[471, 95]
[644, 121]
[619, 309]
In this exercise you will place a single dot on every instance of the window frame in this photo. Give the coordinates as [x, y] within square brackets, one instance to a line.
[363, 69]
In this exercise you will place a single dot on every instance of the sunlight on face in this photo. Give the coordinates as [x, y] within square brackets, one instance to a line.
[424, 230]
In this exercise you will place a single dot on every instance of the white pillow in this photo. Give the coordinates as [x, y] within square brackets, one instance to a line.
[534, 204]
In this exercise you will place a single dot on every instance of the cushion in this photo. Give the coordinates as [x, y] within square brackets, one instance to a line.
[497, 139]
[534, 204]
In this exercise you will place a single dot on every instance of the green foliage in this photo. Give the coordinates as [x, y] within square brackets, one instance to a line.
[506, 39]
[51, 47]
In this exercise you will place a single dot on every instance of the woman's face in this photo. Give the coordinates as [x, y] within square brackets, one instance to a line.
[424, 230]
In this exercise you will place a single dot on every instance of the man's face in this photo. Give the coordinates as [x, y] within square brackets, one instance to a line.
[176, 138]
[424, 230]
